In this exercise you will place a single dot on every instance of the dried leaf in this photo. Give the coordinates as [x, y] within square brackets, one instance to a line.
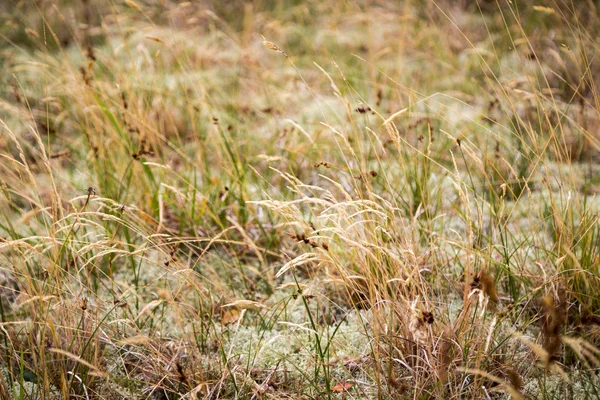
[230, 316]
[134, 340]
[342, 387]
[246, 305]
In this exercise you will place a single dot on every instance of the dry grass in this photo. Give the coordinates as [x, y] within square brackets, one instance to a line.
[299, 200]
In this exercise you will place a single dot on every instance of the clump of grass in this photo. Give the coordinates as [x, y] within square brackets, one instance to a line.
[310, 201]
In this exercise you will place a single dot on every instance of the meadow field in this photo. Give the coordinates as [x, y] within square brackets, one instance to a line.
[321, 199]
